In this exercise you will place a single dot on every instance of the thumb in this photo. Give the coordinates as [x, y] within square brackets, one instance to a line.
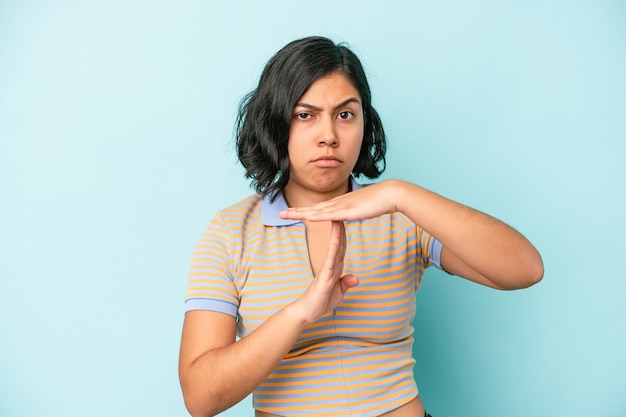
[348, 281]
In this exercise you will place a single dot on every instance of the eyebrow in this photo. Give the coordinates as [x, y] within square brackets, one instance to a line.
[342, 104]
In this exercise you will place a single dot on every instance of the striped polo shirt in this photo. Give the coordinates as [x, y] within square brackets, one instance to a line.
[250, 263]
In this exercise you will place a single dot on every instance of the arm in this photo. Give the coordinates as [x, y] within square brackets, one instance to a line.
[476, 246]
[216, 371]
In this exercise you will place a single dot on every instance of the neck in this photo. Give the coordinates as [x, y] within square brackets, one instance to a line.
[297, 196]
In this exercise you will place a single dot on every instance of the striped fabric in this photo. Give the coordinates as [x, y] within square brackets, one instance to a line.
[250, 264]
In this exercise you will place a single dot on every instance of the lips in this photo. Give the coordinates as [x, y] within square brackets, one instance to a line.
[326, 157]
[327, 161]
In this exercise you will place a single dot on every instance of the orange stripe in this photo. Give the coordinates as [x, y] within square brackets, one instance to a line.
[323, 392]
[377, 399]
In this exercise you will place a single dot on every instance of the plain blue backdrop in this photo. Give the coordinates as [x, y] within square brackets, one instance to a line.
[115, 150]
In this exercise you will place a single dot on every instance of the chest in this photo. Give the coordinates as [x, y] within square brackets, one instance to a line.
[275, 268]
[317, 240]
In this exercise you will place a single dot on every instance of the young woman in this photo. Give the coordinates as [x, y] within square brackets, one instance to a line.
[304, 293]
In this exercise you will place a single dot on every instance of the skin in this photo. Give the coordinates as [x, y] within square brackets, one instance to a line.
[325, 138]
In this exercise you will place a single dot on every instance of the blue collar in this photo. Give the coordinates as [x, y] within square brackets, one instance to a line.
[270, 209]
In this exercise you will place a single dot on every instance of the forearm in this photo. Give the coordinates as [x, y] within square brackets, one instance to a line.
[221, 377]
[490, 247]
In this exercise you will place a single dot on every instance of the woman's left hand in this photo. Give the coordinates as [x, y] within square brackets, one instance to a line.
[365, 203]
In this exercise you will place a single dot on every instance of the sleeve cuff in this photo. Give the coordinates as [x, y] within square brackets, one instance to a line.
[210, 305]
[435, 253]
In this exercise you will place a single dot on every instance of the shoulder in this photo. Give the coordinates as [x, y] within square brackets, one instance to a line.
[241, 210]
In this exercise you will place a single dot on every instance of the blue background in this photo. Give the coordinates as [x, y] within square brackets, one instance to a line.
[115, 150]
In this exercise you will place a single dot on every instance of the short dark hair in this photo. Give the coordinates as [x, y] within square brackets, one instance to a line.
[262, 127]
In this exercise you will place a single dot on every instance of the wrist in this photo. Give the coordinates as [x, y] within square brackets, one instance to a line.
[296, 312]
[399, 191]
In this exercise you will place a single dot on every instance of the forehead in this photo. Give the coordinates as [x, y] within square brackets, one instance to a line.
[329, 88]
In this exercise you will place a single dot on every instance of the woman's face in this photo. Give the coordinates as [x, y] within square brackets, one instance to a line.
[325, 136]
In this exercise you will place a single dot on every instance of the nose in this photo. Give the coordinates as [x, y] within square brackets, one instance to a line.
[330, 141]
[328, 135]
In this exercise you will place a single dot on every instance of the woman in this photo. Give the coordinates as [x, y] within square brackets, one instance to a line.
[304, 293]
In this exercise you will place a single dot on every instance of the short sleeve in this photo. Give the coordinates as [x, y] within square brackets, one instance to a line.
[431, 249]
[435, 253]
[210, 284]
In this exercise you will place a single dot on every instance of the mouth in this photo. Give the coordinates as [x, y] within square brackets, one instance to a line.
[327, 161]
[327, 158]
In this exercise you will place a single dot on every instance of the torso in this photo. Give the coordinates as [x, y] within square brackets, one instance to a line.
[386, 272]
[318, 236]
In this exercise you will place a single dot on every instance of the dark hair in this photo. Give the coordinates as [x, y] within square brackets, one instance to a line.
[262, 128]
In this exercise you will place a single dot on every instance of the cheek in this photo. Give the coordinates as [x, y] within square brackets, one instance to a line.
[295, 137]
[294, 150]
[358, 139]
[296, 143]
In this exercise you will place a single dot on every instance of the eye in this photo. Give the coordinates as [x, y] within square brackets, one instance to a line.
[303, 116]
[345, 115]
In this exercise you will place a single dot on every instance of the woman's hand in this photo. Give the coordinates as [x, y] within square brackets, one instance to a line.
[329, 286]
[365, 203]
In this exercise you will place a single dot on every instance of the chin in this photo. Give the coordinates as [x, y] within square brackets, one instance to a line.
[327, 185]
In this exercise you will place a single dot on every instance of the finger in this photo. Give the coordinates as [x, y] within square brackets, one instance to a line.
[307, 213]
[333, 263]
[326, 210]
[334, 257]
[342, 241]
[338, 233]
[348, 281]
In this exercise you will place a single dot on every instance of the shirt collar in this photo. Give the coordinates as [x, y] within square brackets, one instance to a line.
[270, 209]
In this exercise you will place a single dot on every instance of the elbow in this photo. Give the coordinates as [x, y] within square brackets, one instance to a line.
[197, 409]
[538, 272]
[528, 275]
[533, 276]
[199, 405]
[535, 270]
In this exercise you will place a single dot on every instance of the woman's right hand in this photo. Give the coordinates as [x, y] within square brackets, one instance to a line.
[329, 286]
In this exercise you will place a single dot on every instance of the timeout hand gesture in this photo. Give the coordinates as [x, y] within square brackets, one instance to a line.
[329, 286]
